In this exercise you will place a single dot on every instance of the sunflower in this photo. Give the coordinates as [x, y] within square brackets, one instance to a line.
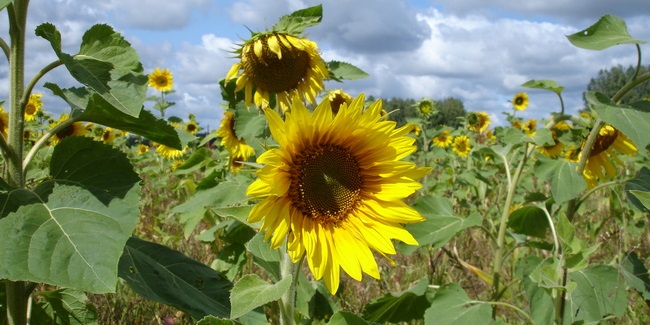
[520, 101]
[176, 164]
[109, 135]
[278, 63]
[191, 127]
[337, 98]
[443, 140]
[426, 107]
[161, 80]
[461, 146]
[416, 130]
[530, 127]
[238, 149]
[603, 154]
[169, 152]
[4, 122]
[478, 121]
[34, 105]
[555, 149]
[142, 149]
[335, 186]
[74, 129]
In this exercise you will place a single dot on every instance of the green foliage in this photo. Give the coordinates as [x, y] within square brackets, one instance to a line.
[297, 21]
[551, 85]
[608, 31]
[636, 186]
[451, 305]
[251, 292]
[64, 306]
[401, 307]
[610, 81]
[529, 220]
[631, 120]
[340, 71]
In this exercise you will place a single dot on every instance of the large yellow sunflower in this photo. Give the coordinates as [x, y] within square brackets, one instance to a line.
[74, 129]
[461, 145]
[478, 121]
[34, 105]
[335, 187]
[520, 101]
[603, 155]
[443, 140]
[238, 149]
[281, 64]
[161, 79]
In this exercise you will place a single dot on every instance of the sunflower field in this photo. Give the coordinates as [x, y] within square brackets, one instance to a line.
[310, 205]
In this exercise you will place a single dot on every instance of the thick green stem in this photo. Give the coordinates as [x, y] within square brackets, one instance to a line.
[287, 303]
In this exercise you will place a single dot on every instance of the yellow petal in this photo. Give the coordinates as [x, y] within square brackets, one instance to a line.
[274, 45]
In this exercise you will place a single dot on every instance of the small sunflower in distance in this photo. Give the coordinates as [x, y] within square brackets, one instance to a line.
[142, 149]
[337, 98]
[4, 122]
[334, 188]
[73, 129]
[461, 146]
[520, 101]
[191, 127]
[603, 155]
[161, 79]
[443, 140]
[169, 152]
[34, 105]
[555, 149]
[478, 121]
[426, 107]
[278, 63]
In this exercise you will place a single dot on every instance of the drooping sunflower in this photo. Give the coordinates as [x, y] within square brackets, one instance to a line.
[74, 129]
[426, 107]
[337, 98]
[4, 122]
[161, 79]
[603, 155]
[520, 101]
[169, 152]
[478, 121]
[443, 140]
[278, 63]
[530, 127]
[461, 146]
[335, 186]
[554, 150]
[34, 105]
[238, 149]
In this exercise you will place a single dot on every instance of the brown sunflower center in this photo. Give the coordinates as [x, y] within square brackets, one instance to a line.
[519, 100]
[66, 132]
[30, 109]
[191, 127]
[326, 183]
[162, 81]
[603, 142]
[270, 73]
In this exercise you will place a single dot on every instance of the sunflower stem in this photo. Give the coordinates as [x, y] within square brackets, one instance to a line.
[287, 303]
[32, 152]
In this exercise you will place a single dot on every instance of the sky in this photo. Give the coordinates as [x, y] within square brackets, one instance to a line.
[479, 51]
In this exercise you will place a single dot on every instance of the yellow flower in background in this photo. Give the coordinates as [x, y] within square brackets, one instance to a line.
[520, 101]
[109, 135]
[461, 146]
[530, 127]
[416, 130]
[478, 121]
[4, 122]
[142, 149]
[169, 152]
[337, 98]
[238, 149]
[161, 79]
[34, 105]
[335, 186]
[426, 107]
[517, 123]
[443, 140]
[554, 150]
[74, 129]
[177, 164]
[603, 155]
[281, 64]
[191, 127]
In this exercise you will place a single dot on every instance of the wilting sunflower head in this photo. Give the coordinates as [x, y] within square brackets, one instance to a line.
[520, 101]
[530, 127]
[478, 121]
[426, 107]
[554, 150]
[70, 129]
[604, 157]
[161, 79]
[334, 187]
[337, 98]
[34, 105]
[461, 146]
[278, 63]
[443, 140]
[169, 152]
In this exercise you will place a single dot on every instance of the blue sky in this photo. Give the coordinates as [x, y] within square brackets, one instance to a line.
[480, 51]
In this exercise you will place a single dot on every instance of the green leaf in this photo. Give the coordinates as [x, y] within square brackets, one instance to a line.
[551, 85]
[296, 22]
[264, 256]
[211, 320]
[515, 136]
[340, 71]
[599, 293]
[529, 220]
[5, 3]
[346, 318]
[105, 63]
[565, 181]
[405, 306]
[74, 239]
[249, 123]
[640, 183]
[167, 276]
[633, 121]
[440, 225]
[63, 306]
[643, 197]
[543, 137]
[540, 301]
[230, 260]
[251, 292]
[608, 31]
[199, 156]
[451, 305]
[636, 276]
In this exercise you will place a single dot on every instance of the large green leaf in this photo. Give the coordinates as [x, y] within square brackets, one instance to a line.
[405, 306]
[5, 3]
[297, 21]
[540, 301]
[106, 63]
[451, 305]
[440, 225]
[608, 31]
[565, 181]
[340, 71]
[74, 239]
[164, 275]
[346, 318]
[600, 292]
[636, 275]
[63, 306]
[529, 220]
[641, 183]
[264, 256]
[251, 292]
[633, 120]
[551, 85]
[249, 123]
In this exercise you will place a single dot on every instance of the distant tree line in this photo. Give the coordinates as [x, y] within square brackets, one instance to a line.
[448, 110]
[609, 81]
